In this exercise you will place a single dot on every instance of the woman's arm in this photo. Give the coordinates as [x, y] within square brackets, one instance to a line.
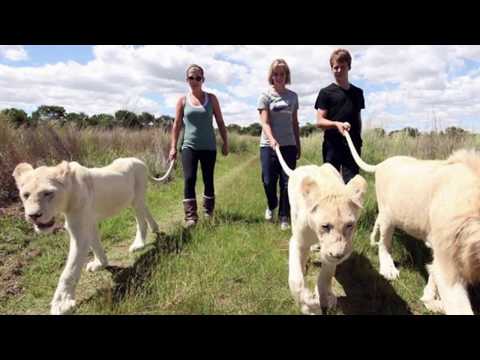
[267, 127]
[177, 126]
[220, 123]
[296, 132]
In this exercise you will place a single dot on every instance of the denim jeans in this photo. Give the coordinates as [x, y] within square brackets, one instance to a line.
[272, 174]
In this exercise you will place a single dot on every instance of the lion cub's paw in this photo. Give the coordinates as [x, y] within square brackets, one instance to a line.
[95, 265]
[62, 307]
[435, 305]
[328, 300]
[136, 246]
[389, 272]
[310, 305]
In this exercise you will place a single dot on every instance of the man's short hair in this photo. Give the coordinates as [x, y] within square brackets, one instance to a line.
[341, 56]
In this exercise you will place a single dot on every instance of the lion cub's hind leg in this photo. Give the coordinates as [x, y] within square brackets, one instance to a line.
[143, 216]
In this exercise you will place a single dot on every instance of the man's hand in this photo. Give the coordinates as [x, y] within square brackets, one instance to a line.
[342, 127]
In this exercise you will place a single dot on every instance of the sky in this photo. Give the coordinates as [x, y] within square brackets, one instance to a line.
[420, 86]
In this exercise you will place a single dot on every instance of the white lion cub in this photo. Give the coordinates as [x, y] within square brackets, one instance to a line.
[324, 212]
[85, 197]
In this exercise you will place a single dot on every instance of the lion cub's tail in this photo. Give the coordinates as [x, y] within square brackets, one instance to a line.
[164, 177]
[284, 165]
[363, 165]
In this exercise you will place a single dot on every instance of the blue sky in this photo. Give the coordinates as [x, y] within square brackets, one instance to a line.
[404, 85]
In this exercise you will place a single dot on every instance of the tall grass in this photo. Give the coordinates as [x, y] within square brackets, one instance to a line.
[376, 148]
[48, 145]
[238, 143]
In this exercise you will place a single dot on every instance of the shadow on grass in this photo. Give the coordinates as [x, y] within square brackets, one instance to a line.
[228, 216]
[419, 254]
[130, 278]
[367, 292]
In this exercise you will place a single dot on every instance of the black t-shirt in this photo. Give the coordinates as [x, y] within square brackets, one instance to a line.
[342, 105]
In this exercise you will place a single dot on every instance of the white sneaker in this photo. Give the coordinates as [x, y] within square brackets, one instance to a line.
[269, 214]
[284, 225]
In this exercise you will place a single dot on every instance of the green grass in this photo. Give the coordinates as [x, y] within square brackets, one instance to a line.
[237, 264]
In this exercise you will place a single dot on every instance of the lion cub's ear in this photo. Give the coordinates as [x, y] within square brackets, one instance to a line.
[63, 170]
[20, 169]
[357, 187]
[308, 188]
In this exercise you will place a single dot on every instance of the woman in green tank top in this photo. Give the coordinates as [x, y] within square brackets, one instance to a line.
[195, 111]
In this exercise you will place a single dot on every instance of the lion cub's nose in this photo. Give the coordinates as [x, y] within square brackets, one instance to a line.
[35, 216]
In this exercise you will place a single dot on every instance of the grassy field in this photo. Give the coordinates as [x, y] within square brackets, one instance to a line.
[235, 264]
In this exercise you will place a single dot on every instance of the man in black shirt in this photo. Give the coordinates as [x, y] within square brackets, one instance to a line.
[338, 109]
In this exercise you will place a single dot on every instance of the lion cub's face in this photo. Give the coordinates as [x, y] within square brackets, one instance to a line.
[43, 193]
[334, 225]
[333, 217]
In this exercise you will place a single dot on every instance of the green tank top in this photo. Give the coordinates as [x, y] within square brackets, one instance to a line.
[198, 121]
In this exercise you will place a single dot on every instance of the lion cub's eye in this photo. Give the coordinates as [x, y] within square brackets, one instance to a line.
[349, 226]
[48, 194]
[26, 195]
[327, 227]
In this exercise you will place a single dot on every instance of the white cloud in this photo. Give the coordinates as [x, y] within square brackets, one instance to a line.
[13, 52]
[402, 84]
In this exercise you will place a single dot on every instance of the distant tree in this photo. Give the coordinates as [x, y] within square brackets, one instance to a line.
[378, 132]
[234, 128]
[127, 119]
[106, 121]
[308, 129]
[454, 131]
[165, 122]
[15, 117]
[79, 120]
[254, 129]
[409, 131]
[146, 119]
[50, 113]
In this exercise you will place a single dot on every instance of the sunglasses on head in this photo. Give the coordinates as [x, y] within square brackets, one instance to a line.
[197, 78]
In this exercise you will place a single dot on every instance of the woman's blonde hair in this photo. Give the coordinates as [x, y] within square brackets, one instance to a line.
[279, 63]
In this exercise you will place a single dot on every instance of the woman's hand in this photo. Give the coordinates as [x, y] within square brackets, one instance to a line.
[173, 154]
[273, 143]
[225, 149]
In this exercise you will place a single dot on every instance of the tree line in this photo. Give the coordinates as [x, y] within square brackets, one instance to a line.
[57, 115]
[123, 118]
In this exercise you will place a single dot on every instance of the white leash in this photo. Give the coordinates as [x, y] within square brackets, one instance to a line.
[164, 177]
[284, 165]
